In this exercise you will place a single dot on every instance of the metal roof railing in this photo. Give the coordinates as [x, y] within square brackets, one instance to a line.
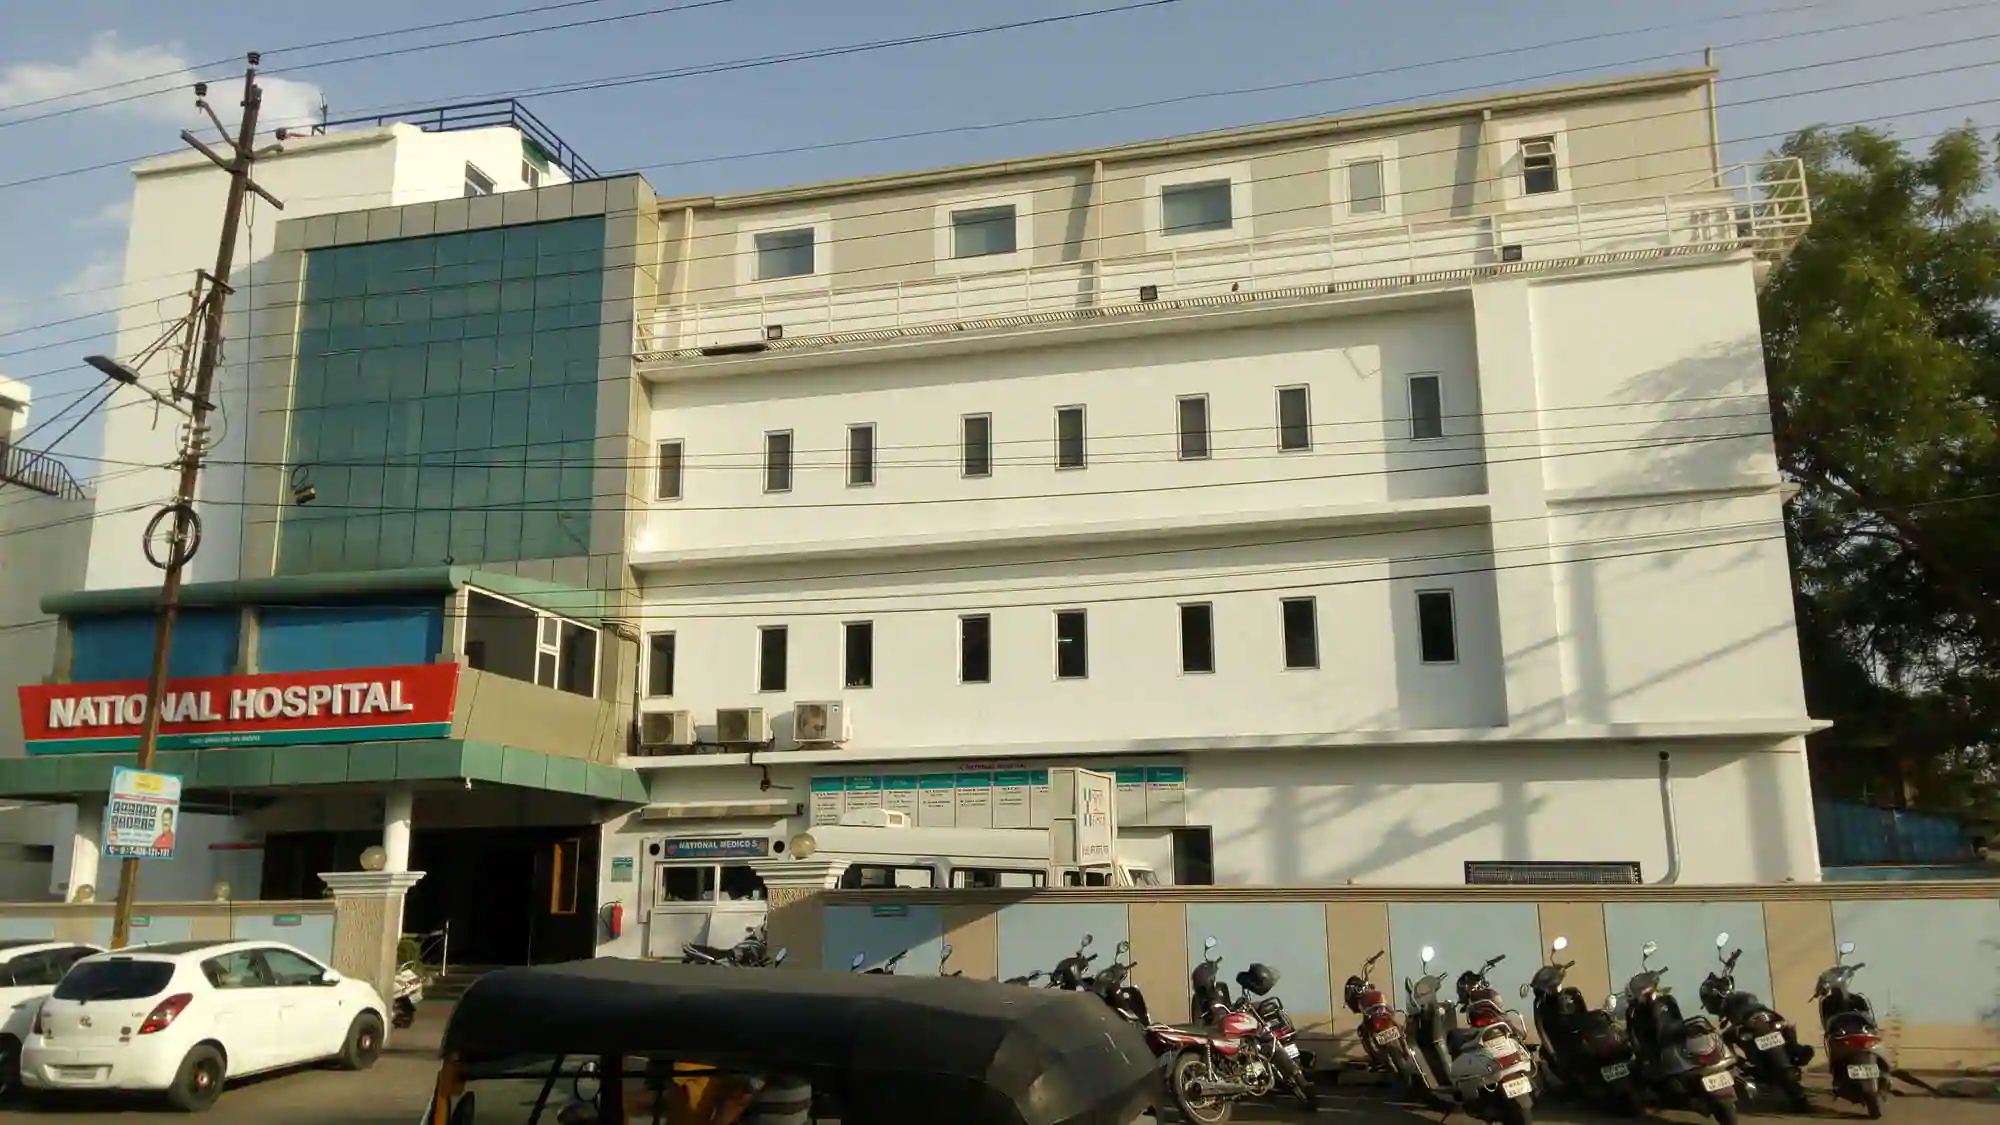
[491, 114]
[38, 471]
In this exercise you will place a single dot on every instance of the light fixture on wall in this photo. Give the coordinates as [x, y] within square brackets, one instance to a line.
[774, 331]
[303, 492]
[373, 858]
[84, 893]
[221, 891]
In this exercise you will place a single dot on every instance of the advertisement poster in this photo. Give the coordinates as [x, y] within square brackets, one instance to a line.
[142, 817]
[899, 794]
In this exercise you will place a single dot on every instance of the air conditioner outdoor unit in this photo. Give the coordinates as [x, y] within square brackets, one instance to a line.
[741, 725]
[663, 732]
[821, 722]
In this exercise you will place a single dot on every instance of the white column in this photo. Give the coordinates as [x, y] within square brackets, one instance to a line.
[397, 807]
[86, 846]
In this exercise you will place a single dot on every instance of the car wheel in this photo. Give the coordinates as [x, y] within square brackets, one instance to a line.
[199, 1081]
[10, 1067]
[364, 1042]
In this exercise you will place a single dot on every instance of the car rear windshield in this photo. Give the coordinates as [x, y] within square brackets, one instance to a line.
[115, 980]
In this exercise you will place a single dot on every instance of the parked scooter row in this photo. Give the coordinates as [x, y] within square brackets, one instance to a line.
[753, 952]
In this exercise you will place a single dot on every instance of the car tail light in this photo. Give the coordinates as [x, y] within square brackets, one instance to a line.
[164, 1013]
[1857, 1041]
[41, 1028]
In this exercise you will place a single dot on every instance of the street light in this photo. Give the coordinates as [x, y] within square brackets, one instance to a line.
[116, 369]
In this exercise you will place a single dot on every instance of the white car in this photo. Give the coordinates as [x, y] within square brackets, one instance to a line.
[181, 1019]
[29, 970]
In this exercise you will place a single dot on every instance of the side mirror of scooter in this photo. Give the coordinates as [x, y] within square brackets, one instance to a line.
[1558, 945]
[1846, 947]
[1428, 955]
[1722, 941]
[1208, 945]
[1087, 939]
[944, 954]
[1647, 950]
[778, 958]
[860, 959]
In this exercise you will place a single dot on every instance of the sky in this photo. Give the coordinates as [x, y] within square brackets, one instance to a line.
[1177, 66]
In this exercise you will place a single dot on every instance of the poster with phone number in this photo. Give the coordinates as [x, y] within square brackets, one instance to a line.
[141, 820]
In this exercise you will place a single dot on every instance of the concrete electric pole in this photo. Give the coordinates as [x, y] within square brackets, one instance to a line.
[176, 527]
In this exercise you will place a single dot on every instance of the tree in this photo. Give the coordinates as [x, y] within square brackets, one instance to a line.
[1882, 346]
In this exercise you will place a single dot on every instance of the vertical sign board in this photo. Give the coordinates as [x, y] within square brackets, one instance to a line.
[1010, 799]
[937, 800]
[975, 800]
[827, 795]
[141, 820]
[1096, 829]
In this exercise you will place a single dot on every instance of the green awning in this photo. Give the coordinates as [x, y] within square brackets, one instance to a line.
[296, 589]
[62, 777]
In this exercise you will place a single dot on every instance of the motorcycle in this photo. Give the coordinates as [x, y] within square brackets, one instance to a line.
[1683, 1060]
[1071, 974]
[407, 992]
[1584, 1051]
[1765, 1041]
[944, 955]
[751, 952]
[1382, 1038]
[886, 968]
[1114, 986]
[1294, 1065]
[1483, 1068]
[1227, 1055]
[1860, 1071]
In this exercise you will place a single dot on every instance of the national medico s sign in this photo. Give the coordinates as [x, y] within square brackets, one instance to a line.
[142, 817]
[273, 709]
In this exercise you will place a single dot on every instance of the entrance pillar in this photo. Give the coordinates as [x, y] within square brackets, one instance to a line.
[397, 814]
[795, 918]
[368, 922]
[86, 845]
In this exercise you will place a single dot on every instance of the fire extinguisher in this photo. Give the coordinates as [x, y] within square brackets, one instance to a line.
[614, 921]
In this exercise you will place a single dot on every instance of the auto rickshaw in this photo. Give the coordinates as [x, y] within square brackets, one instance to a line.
[671, 1044]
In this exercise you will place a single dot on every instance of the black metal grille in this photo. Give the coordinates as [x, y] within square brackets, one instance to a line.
[1551, 873]
[38, 471]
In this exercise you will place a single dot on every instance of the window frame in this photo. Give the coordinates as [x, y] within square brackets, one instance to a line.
[1082, 437]
[820, 224]
[854, 429]
[1436, 379]
[531, 176]
[660, 493]
[1219, 187]
[1181, 621]
[1532, 164]
[672, 638]
[1076, 613]
[848, 631]
[1278, 397]
[319, 976]
[964, 447]
[784, 677]
[1181, 434]
[963, 620]
[770, 464]
[811, 247]
[1450, 596]
[1311, 602]
[1341, 187]
[944, 234]
[1242, 218]
[1509, 158]
[476, 178]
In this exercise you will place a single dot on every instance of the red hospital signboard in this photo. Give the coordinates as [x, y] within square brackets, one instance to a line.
[273, 709]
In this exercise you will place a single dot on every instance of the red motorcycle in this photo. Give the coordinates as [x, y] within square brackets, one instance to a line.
[1229, 1054]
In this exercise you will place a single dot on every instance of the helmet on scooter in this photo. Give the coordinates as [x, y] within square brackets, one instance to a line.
[1258, 980]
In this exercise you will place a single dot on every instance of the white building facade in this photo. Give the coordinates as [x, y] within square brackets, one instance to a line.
[1384, 499]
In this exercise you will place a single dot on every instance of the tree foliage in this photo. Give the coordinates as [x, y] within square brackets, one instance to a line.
[1882, 344]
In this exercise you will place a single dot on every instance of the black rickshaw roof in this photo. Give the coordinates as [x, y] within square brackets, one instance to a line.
[892, 1049]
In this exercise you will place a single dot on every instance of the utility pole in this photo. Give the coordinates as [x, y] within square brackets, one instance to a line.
[178, 519]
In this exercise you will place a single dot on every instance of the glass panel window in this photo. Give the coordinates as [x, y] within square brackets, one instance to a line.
[858, 644]
[1193, 208]
[289, 970]
[778, 461]
[477, 183]
[977, 432]
[1294, 419]
[1437, 627]
[1426, 407]
[975, 649]
[1364, 187]
[1538, 166]
[1069, 437]
[660, 651]
[669, 483]
[861, 455]
[1301, 619]
[784, 253]
[531, 175]
[772, 645]
[1072, 644]
[1193, 416]
[982, 231]
[1198, 637]
[578, 672]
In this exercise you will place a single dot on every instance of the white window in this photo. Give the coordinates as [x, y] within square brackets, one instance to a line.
[785, 253]
[1366, 185]
[477, 182]
[504, 637]
[1196, 208]
[1533, 165]
[976, 435]
[668, 484]
[1192, 415]
[1426, 408]
[861, 455]
[981, 232]
[661, 649]
[1069, 437]
[1437, 627]
[778, 461]
[531, 175]
[1539, 173]
[1294, 420]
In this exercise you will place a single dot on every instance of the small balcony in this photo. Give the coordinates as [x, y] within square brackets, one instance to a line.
[1758, 207]
[38, 472]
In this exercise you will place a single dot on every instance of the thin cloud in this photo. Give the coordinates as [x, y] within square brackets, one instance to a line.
[168, 99]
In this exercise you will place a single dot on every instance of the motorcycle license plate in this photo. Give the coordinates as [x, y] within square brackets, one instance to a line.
[1616, 1071]
[1516, 1087]
[1389, 1035]
[1864, 1070]
[1770, 1042]
[1718, 1081]
[1291, 1049]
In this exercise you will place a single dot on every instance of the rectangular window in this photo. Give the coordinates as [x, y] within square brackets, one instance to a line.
[578, 671]
[477, 182]
[660, 665]
[772, 642]
[978, 440]
[1365, 195]
[1198, 637]
[1072, 644]
[1294, 419]
[861, 455]
[668, 486]
[1426, 407]
[1437, 627]
[975, 649]
[1538, 166]
[1301, 633]
[858, 639]
[531, 175]
[1194, 427]
[1193, 208]
[982, 231]
[784, 253]
[778, 461]
[1069, 437]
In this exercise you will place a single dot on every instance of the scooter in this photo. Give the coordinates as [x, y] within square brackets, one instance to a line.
[1382, 1038]
[886, 968]
[750, 952]
[1071, 974]
[1765, 1041]
[1114, 986]
[406, 993]
[1584, 1051]
[1860, 1070]
[1684, 1062]
[944, 955]
[1482, 1069]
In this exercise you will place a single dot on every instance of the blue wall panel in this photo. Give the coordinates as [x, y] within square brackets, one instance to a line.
[1465, 935]
[159, 928]
[24, 929]
[1037, 936]
[880, 936]
[1686, 934]
[120, 647]
[1929, 960]
[1289, 937]
[312, 934]
[310, 639]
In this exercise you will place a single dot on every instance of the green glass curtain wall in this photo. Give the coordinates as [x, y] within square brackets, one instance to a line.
[446, 399]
